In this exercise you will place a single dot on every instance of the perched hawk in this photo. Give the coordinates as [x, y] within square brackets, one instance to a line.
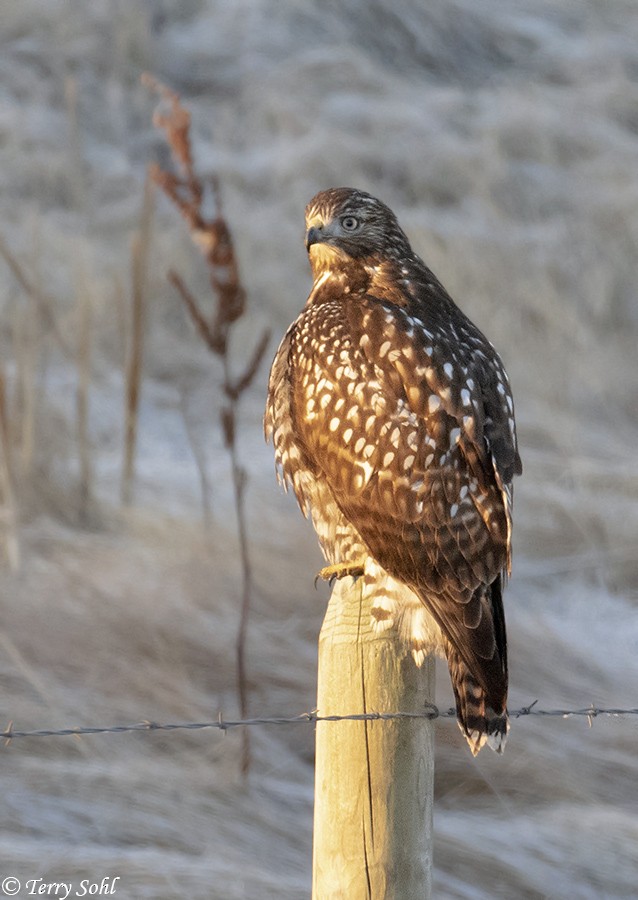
[393, 420]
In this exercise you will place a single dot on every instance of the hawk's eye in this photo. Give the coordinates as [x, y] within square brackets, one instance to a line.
[350, 223]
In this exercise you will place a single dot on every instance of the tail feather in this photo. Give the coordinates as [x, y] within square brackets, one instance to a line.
[478, 719]
[481, 697]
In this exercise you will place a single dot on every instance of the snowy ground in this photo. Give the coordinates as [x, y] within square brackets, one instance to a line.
[506, 139]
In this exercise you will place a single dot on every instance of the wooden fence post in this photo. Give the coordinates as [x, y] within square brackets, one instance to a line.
[373, 779]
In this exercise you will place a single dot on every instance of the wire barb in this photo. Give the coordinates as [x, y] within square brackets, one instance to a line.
[524, 710]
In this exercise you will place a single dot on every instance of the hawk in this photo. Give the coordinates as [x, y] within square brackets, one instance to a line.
[392, 418]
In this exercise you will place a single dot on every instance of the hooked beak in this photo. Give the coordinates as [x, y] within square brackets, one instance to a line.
[314, 235]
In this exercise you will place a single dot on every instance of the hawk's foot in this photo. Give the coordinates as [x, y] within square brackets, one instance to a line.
[341, 570]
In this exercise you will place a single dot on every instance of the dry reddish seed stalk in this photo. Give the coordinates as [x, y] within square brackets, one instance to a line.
[213, 237]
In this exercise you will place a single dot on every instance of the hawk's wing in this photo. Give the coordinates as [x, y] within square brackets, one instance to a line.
[404, 425]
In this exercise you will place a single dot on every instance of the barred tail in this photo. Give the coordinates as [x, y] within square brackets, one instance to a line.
[482, 721]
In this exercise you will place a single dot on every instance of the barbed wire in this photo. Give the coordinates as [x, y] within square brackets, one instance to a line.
[431, 712]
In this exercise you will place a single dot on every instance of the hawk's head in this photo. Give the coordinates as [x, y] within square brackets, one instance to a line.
[344, 224]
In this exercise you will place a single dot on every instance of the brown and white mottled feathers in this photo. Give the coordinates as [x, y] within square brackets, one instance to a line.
[392, 418]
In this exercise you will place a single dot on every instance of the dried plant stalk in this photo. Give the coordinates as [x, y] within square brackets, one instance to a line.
[43, 303]
[26, 343]
[10, 533]
[213, 237]
[24, 404]
[139, 269]
[120, 308]
[198, 455]
[85, 318]
[76, 175]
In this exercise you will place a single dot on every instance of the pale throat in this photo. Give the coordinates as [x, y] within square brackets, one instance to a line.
[331, 267]
[326, 258]
[336, 271]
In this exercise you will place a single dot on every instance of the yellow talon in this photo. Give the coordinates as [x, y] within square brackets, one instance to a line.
[340, 570]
